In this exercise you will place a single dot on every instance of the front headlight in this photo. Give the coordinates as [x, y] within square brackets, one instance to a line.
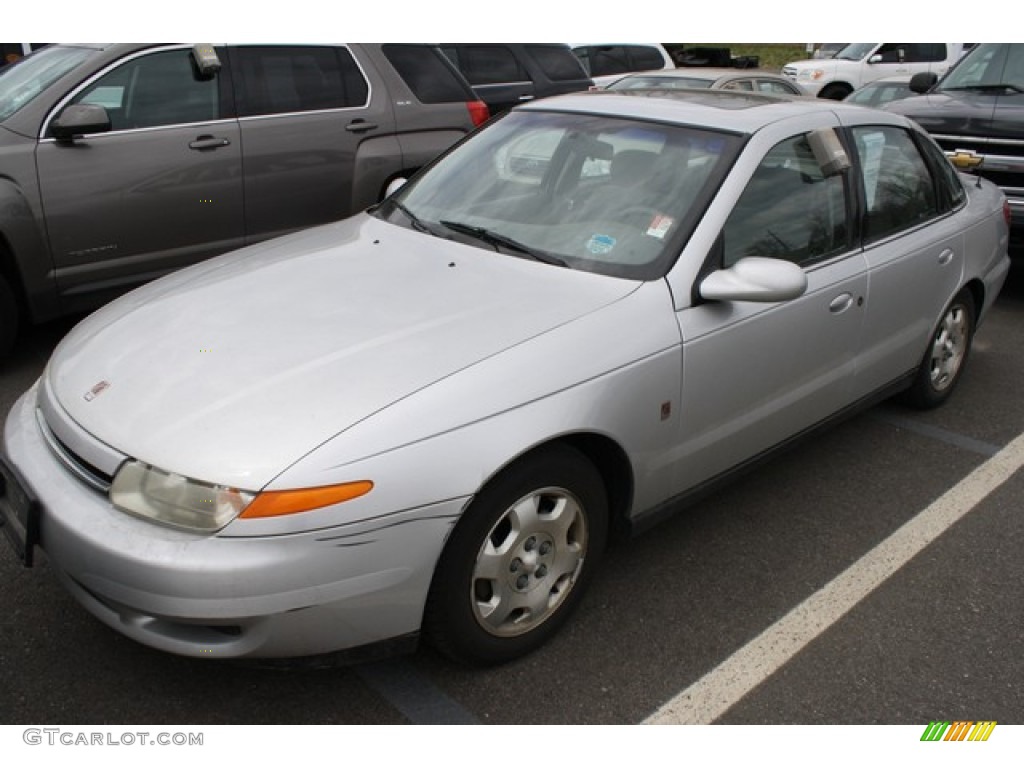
[810, 74]
[165, 497]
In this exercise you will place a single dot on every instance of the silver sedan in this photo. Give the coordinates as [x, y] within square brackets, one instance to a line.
[429, 418]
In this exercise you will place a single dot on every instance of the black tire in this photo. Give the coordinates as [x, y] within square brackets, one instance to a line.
[519, 560]
[835, 91]
[8, 318]
[946, 356]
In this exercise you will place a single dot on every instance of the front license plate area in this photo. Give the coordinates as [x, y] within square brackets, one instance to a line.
[19, 514]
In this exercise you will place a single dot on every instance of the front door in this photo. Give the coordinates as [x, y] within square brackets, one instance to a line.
[161, 190]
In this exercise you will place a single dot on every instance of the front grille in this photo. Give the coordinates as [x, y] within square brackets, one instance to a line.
[92, 476]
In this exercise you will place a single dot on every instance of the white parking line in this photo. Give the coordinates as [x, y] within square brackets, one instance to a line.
[711, 696]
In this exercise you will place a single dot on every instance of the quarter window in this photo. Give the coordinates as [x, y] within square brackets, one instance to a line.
[898, 189]
[789, 210]
[155, 90]
[283, 79]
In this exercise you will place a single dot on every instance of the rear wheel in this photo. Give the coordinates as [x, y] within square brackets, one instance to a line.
[946, 355]
[519, 560]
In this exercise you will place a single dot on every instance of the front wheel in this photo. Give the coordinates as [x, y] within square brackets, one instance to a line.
[519, 560]
[946, 355]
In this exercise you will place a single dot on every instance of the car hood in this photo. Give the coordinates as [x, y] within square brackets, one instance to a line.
[964, 113]
[232, 370]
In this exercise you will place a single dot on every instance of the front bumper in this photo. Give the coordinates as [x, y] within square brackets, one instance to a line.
[199, 595]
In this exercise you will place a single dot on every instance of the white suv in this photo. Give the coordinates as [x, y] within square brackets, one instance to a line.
[860, 63]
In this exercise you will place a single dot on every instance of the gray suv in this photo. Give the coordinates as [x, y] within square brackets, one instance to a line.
[120, 163]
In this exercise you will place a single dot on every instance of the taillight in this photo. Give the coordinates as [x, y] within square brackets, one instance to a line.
[478, 112]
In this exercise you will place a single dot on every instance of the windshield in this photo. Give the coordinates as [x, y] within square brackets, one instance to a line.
[588, 192]
[856, 51]
[986, 66]
[26, 78]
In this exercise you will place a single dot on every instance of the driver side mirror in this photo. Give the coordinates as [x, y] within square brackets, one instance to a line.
[78, 120]
[922, 82]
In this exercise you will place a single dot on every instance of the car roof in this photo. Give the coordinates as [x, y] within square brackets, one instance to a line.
[732, 111]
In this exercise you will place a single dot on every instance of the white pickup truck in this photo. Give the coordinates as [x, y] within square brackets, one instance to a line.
[860, 63]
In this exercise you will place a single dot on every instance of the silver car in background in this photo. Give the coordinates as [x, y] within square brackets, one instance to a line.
[428, 418]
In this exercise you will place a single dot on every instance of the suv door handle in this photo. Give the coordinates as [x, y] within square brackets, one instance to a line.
[360, 126]
[208, 142]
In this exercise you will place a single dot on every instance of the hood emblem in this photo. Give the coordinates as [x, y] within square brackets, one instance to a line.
[964, 159]
[96, 390]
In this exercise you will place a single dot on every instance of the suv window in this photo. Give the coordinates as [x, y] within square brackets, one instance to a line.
[789, 210]
[425, 71]
[282, 79]
[602, 60]
[557, 62]
[898, 189]
[487, 64]
[153, 90]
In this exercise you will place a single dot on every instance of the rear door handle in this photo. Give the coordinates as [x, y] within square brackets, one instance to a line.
[946, 256]
[208, 142]
[360, 126]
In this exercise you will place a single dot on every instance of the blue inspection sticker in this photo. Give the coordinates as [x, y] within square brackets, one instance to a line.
[600, 244]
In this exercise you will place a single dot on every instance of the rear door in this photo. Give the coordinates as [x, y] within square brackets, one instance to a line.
[161, 189]
[494, 71]
[307, 115]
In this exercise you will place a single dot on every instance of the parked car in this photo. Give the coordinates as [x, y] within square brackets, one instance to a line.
[506, 74]
[976, 114]
[860, 63]
[123, 162]
[881, 91]
[605, 62]
[755, 80]
[428, 418]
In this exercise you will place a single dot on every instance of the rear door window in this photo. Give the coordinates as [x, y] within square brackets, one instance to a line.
[285, 79]
[558, 63]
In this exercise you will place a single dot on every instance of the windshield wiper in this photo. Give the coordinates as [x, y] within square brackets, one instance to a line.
[417, 223]
[496, 239]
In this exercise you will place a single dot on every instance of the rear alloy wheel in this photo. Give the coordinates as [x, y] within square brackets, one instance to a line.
[946, 356]
[518, 562]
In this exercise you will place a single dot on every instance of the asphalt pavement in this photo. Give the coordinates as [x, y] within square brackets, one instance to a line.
[938, 638]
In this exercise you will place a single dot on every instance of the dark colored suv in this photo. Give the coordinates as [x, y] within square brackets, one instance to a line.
[976, 114]
[506, 74]
[120, 163]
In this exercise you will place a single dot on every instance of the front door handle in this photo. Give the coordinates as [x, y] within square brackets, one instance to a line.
[208, 142]
[840, 303]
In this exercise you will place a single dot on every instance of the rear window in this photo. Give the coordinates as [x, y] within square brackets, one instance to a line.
[284, 79]
[557, 62]
[428, 74]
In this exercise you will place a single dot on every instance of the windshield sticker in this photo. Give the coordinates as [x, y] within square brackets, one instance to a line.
[660, 225]
[600, 244]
